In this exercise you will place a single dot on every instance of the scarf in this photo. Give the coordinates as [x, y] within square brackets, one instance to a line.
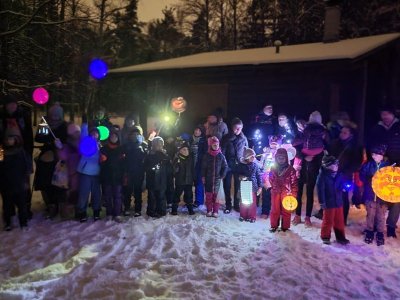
[214, 152]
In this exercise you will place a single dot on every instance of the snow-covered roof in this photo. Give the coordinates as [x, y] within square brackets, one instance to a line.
[344, 49]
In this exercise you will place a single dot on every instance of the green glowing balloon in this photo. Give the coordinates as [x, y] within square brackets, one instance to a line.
[104, 132]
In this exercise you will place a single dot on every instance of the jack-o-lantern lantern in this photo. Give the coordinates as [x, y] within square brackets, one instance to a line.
[178, 105]
[289, 203]
[386, 184]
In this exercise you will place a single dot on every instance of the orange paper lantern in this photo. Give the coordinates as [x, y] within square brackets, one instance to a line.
[178, 105]
[386, 184]
[289, 203]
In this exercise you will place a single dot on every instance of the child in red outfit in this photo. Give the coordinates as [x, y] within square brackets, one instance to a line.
[284, 182]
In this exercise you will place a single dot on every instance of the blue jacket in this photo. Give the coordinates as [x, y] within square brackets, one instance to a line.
[367, 171]
[89, 165]
[330, 189]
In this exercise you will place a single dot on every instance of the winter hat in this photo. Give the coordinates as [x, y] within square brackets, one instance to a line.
[73, 128]
[329, 160]
[184, 145]
[56, 112]
[158, 140]
[247, 153]
[379, 149]
[315, 117]
[212, 141]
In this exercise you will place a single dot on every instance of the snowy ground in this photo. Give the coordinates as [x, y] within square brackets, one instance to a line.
[187, 257]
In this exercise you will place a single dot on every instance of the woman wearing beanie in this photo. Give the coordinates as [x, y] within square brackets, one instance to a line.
[330, 186]
[284, 182]
[312, 151]
[213, 170]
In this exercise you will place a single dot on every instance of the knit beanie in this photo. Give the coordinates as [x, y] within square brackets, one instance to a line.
[379, 149]
[315, 117]
[212, 141]
[56, 112]
[184, 145]
[247, 153]
[73, 128]
[282, 152]
[329, 160]
[158, 140]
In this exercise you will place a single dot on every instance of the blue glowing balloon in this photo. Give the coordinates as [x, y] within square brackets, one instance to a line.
[98, 68]
[88, 146]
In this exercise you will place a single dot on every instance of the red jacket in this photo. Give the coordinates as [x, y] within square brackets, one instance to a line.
[285, 183]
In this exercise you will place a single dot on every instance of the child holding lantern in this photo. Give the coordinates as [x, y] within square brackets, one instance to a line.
[283, 180]
[249, 170]
[376, 207]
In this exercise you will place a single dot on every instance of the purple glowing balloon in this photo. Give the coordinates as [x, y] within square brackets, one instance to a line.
[40, 96]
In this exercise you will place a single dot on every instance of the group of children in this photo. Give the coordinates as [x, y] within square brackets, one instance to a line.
[114, 170]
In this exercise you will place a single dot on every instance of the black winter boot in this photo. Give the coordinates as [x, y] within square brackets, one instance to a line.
[190, 210]
[380, 239]
[391, 232]
[369, 236]
[96, 215]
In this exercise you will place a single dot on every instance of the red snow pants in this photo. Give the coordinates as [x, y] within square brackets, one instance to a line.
[277, 211]
[249, 211]
[332, 218]
[211, 202]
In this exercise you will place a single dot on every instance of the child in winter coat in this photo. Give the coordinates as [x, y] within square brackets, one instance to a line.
[330, 186]
[14, 167]
[158, 171]
[89, 180]
[248, 169]
[376, 207]
[284, 182]
[111, 174]
[184, 177]
[68, 152]
[213, 170]
[135, 150]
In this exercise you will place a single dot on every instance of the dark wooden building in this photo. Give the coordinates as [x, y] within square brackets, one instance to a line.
[355, 75]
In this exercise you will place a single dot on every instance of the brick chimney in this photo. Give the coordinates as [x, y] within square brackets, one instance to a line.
[332, 21]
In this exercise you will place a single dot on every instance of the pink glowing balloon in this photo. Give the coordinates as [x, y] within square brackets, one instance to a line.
[40, 96]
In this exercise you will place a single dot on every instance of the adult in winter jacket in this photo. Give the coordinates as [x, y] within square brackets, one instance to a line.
[233, 145]
[348, 153]
[135, 150]
[198, 147]
[158, 173]
[47, 159]
[284, 182]
[264, 126]
[130, 123]
[249, 170]
[214, 127]
[330, 187]
[376, 207]
[285, 129]
[314, 136]
[184, 176]
[213, 170]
